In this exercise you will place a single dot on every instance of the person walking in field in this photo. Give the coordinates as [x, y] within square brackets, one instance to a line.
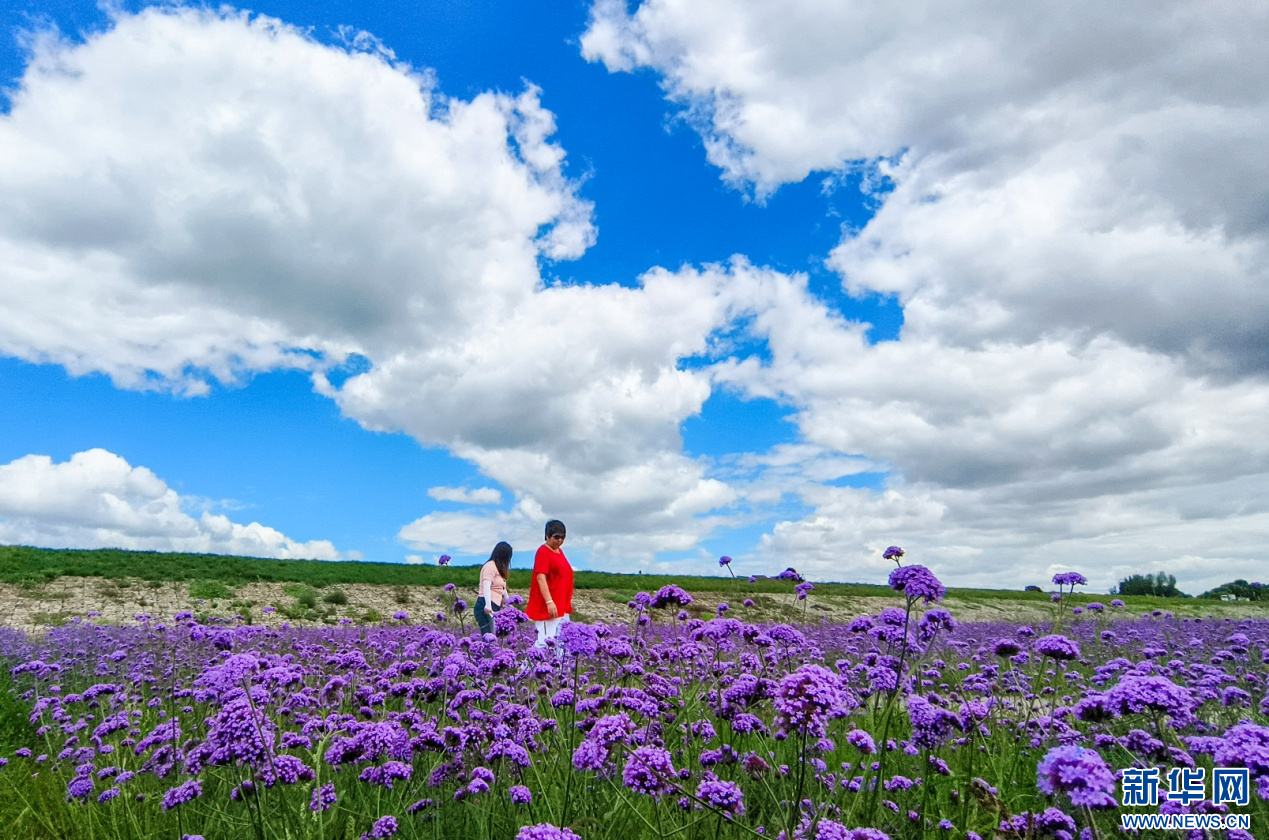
[551, 589]
[493, 586]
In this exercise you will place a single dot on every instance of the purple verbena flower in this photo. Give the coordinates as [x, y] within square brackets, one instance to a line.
[182, 793]
[546, 831]
[382, 828]
[806, 699]
[1056, 646]
[1078, 772]
[917, 582]
[649, 771]
[323, 798]
[671, 594]
[725, 796]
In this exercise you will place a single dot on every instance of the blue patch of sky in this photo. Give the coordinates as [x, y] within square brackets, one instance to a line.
[278, 452]
[727, 424]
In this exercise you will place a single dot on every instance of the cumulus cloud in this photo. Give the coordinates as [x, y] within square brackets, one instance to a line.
[197, 195]
[1071, 209]
[466, 496]
[98, 499]
[1095, 171]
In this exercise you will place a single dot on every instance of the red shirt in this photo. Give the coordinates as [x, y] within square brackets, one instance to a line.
[559, 581]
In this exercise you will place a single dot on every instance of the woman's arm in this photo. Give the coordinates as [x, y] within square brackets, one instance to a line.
[485, 586]
[546, 596]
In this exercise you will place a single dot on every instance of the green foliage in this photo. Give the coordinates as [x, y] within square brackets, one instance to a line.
[1240, 589]
[15, 729]
[1159, 584]
[209, 590]
[305, 596]
[337, 597]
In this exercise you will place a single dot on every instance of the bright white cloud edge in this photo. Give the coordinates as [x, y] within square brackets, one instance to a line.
[96, 499]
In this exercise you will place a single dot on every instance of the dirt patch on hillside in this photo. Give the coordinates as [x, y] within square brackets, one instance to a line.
[33, 608]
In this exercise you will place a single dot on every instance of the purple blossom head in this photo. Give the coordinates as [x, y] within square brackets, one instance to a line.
[79, 787]
[650, 771]
[789, 574]
[182, 793]
[671, 595]
[323, 798]
[400, 615]
[1057, 646]
[520, 795]
[382, 828]
[1078, 772]
[724, 796]
[917, 582]
[1246, 745]
[931, 724]
[1116, 603]
[546, 831]
[1069, 579]
[862, 741]
[892, 553]
[724, 560]
[1006, 647]
[1152, 694]
[806, 699]
[443, 560]
[579, 639]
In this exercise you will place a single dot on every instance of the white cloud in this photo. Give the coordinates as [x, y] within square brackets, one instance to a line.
[97, 499]
[1071, 210]
[195, 194]
[199, 195]
[1078, 174]
[466, 496]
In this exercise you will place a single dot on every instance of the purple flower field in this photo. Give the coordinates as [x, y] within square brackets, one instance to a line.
[903, 724]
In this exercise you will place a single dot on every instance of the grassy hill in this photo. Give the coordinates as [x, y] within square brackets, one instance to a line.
[47, 587]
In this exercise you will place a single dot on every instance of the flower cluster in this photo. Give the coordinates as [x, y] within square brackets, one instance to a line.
[917, 582]
[1078, 772]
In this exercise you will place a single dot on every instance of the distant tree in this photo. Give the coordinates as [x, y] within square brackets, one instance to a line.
[1033, 588]
[1240, 589]
[1159, 584]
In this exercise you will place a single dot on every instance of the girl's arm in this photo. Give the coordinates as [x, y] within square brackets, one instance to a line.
[485, 586]
[546, 596]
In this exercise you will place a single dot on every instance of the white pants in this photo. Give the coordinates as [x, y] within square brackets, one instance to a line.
[549, 629]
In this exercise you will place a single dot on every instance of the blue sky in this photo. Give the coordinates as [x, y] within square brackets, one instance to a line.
[381, 281]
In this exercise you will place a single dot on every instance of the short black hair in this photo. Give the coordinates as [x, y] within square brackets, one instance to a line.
[555, 527]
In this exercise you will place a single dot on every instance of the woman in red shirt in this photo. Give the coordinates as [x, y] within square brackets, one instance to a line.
[551, 591]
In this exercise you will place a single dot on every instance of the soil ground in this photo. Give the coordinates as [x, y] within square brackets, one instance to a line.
[33, 608]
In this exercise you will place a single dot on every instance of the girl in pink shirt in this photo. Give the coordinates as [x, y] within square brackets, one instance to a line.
[493, 586]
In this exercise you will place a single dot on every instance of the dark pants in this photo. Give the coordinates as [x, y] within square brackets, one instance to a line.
[485, 622]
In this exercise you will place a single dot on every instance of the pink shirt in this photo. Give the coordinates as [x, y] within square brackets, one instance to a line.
[497, 586]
